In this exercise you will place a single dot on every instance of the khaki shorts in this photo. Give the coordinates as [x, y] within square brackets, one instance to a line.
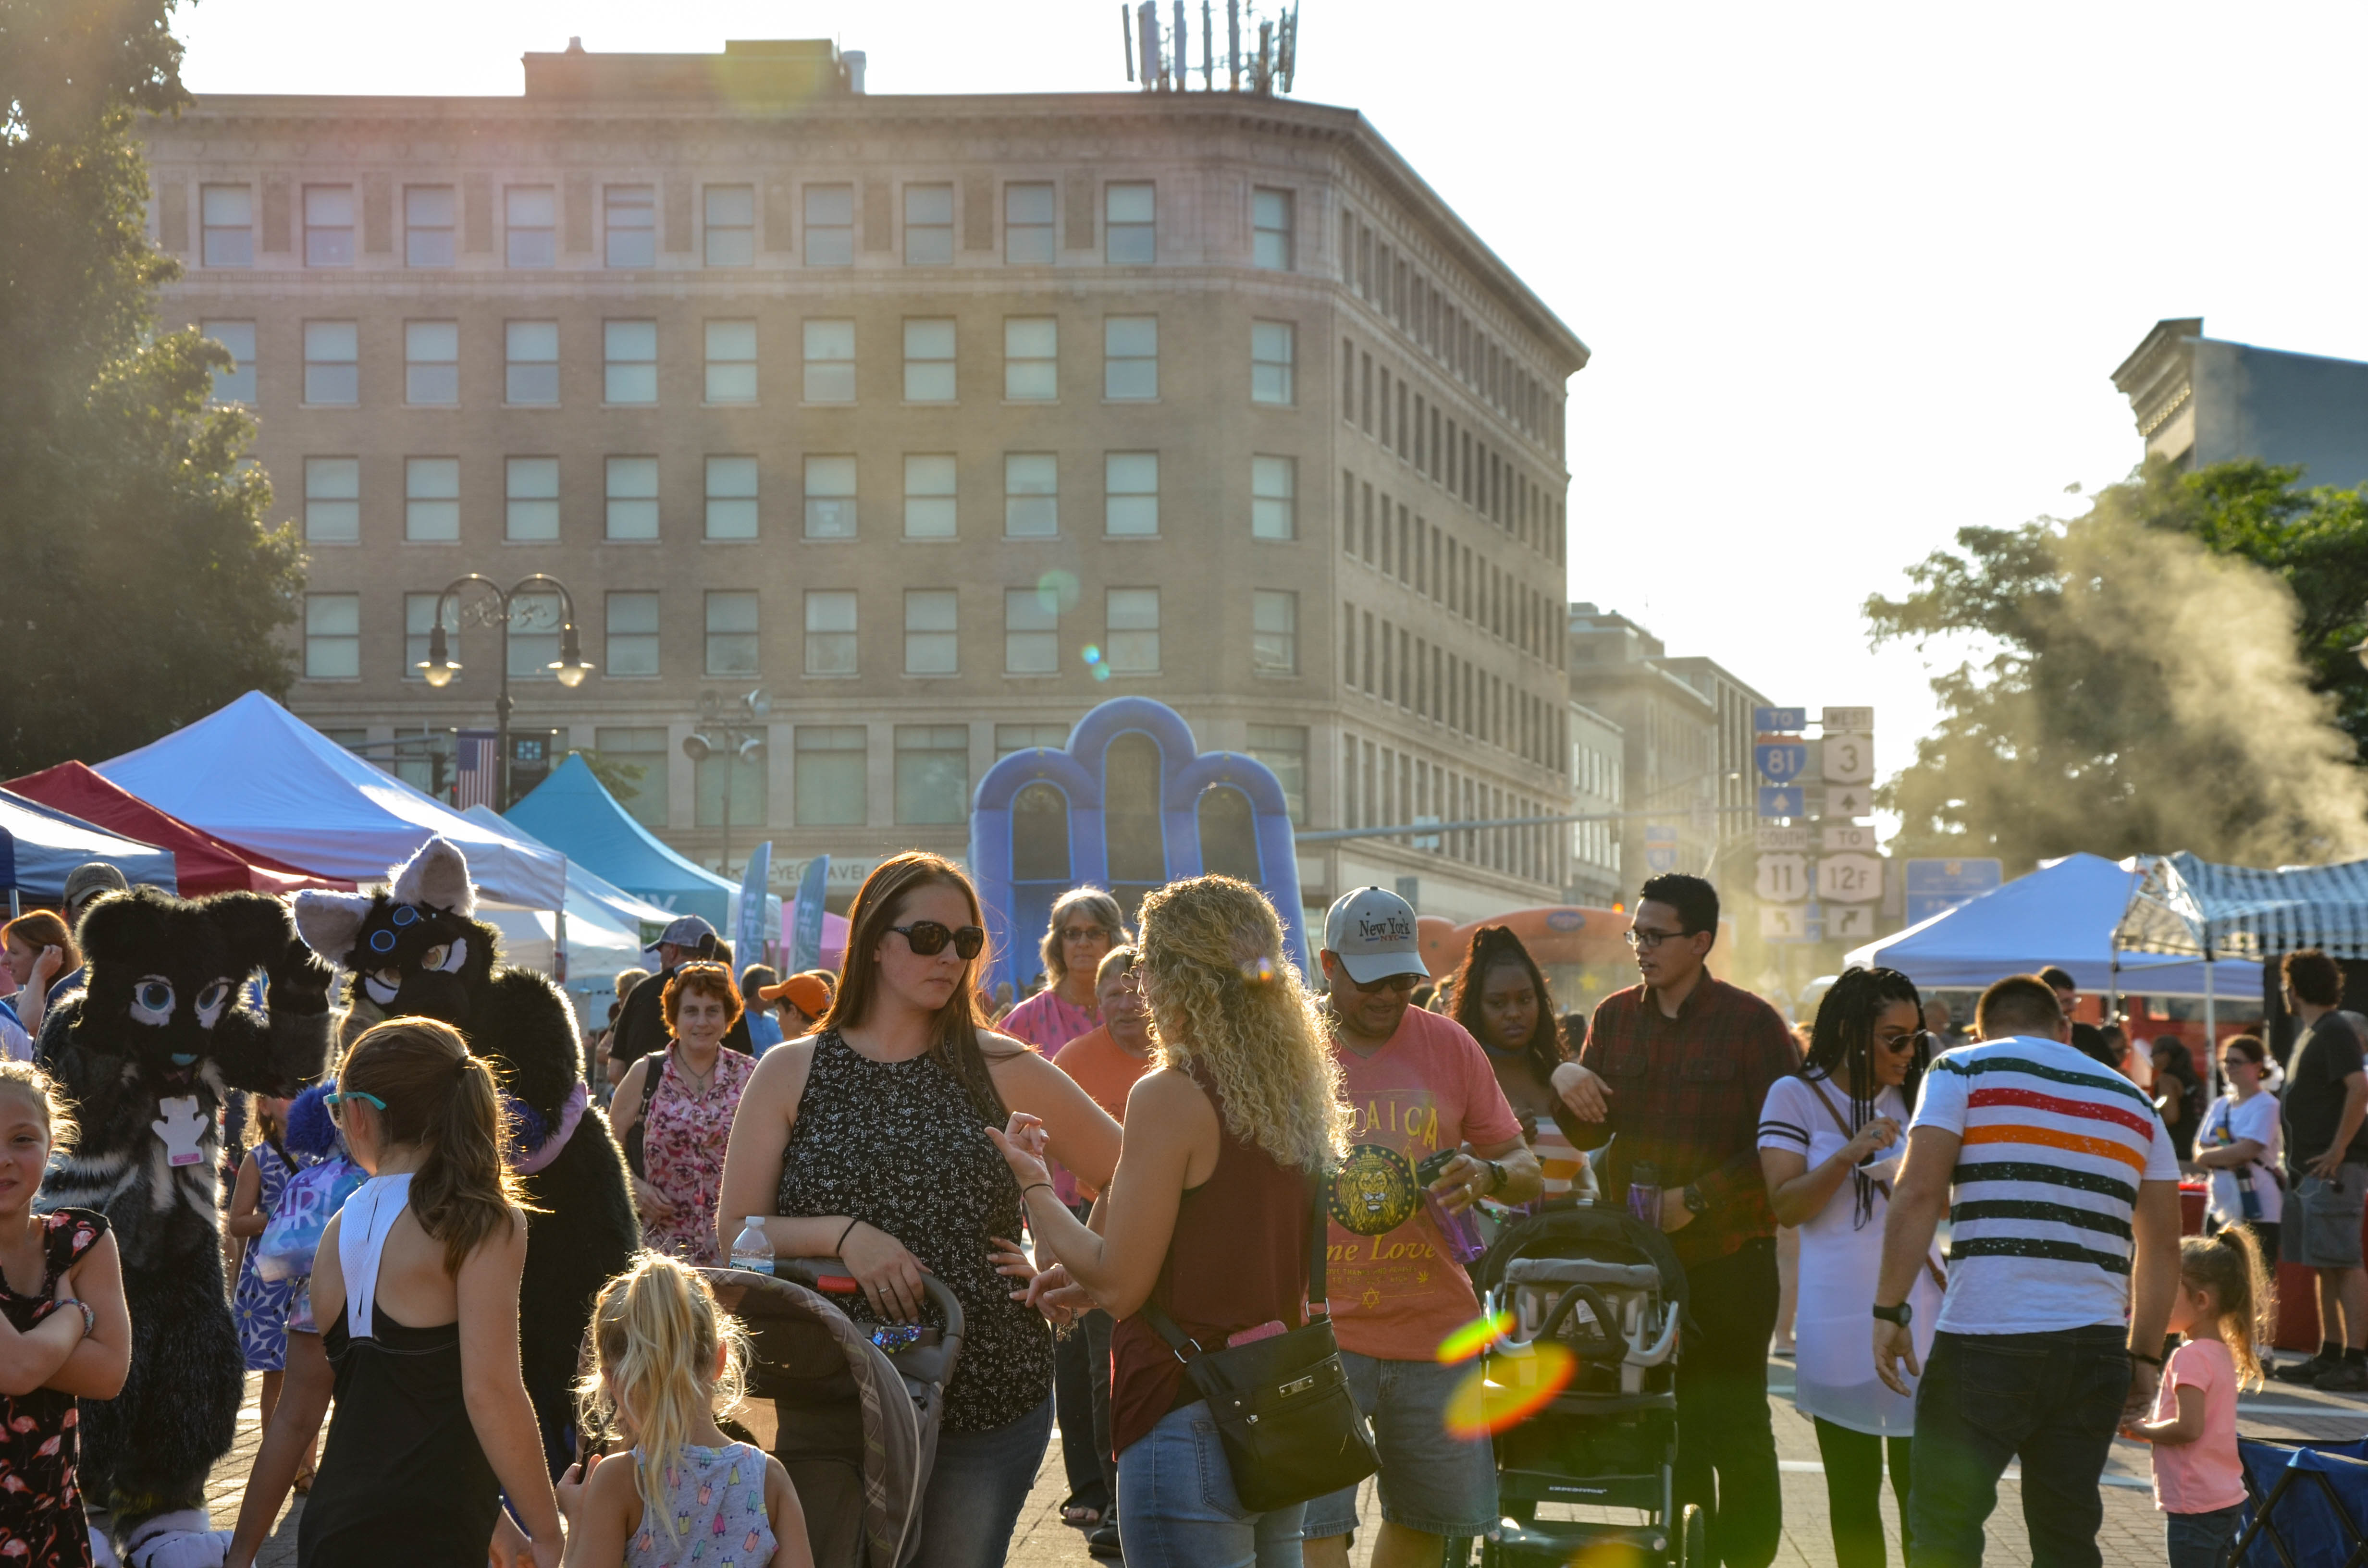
[2321, 1227]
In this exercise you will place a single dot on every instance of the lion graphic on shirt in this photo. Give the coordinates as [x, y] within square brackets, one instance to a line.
[1375, 1191]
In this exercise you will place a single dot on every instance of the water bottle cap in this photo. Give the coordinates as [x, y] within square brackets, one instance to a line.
[755, 1219]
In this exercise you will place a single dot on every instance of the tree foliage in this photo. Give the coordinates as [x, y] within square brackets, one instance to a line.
[2163, 672]
[143, 586]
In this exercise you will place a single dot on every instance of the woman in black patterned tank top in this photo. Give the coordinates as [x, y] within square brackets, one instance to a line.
[867, 1140]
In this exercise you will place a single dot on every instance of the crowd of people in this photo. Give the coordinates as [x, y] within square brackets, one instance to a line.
[1177, 1142]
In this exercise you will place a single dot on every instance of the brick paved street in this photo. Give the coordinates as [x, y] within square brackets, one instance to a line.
[2132, 1532]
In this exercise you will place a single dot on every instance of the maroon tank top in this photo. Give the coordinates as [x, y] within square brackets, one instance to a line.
[1238, 1258]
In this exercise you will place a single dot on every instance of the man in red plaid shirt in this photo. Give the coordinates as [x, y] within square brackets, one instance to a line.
[1673, 1074]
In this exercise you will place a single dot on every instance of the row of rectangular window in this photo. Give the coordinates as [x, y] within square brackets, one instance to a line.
[1457, 459]
[1387, 278]
[1425, 558]
[530, 502]
[728, 231]
[431, 354]
[629, 641]
[1395, 665]
[829, 771]
[1382, 786]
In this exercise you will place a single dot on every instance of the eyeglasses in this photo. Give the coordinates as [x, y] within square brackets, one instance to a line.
[928, 938]
[1084, 934]
[337, 1099]
[382, 940]
[1645, 940]
[1387, 982]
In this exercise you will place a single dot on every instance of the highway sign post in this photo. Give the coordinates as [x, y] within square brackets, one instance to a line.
[1850, 878]
[1848, 756]
[1934, 885]
[1660, 847]
[1781, 759]
[1781, 878]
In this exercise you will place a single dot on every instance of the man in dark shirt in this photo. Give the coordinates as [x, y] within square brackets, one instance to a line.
[642, 1021]
[2327, 1170]
[1677, 1069]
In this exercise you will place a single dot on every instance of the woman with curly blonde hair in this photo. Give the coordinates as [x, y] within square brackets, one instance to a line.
[1207, 1217]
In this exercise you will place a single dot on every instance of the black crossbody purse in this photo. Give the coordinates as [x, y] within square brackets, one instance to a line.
[1291, 1428]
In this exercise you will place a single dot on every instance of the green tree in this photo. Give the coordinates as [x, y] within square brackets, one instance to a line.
[2144, 679]
[621, 779]
[143, 586]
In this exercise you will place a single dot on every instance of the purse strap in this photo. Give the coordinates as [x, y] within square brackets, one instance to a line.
[1319, 1236]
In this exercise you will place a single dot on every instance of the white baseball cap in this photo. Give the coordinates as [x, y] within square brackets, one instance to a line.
[1373, 929]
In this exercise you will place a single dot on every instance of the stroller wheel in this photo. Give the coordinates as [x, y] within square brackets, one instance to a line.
[1693, 1540]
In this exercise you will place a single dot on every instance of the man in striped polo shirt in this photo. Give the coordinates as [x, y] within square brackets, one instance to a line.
[2062, 1191]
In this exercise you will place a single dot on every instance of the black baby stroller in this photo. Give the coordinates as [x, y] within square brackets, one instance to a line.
[1606, 1290]
[855, 1408]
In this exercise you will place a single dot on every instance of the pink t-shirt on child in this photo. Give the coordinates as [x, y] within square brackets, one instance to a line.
[2203, 1476]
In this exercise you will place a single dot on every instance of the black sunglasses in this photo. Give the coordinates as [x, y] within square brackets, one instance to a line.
[929, 938]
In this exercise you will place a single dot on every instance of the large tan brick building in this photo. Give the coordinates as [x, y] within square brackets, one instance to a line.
[940, 418]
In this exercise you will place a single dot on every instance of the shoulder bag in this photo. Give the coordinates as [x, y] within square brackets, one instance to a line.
[634, 1159]
[1291, 1428]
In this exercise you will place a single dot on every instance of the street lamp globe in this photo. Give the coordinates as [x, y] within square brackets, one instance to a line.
[570, 666]
[440, 667]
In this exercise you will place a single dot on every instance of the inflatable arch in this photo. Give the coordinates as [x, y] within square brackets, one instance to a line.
[1128, 804]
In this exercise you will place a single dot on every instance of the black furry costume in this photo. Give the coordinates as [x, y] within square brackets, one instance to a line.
[146, 1054]
[418, 954]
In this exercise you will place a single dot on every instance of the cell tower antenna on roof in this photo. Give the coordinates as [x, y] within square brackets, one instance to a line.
[1233, 43]
[1208, 47]
[1126, 32]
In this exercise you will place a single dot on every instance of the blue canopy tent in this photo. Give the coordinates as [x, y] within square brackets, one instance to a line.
[572, 814]
[2062, 914]
[39, 844]
[606, 928]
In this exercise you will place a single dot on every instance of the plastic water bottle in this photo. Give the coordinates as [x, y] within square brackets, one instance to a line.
[1645, 1193]
[750, 1250]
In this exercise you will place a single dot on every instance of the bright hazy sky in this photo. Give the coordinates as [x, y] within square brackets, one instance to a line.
[1854, 275]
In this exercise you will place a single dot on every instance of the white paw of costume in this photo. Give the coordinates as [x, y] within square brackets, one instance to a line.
[184, 1539]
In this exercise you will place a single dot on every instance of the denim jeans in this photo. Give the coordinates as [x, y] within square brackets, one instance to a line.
[2051, 1400]
[1432, 1480]
[1724, 1427]
[2201, 1540]
[977, 1491]
[1176, 1507]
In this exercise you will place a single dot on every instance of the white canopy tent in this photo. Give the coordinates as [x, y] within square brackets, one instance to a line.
[2065, 915]
[604, 928]
[257, 775]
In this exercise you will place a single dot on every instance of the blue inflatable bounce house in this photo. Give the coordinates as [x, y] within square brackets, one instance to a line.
[1128, 804]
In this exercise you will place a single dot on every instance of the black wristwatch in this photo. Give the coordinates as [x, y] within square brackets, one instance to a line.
[1695, 1202]
[1899, 1314]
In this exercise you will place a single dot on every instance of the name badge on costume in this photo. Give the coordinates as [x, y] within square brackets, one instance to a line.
[182, 1126]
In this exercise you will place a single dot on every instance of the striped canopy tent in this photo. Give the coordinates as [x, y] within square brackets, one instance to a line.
[2188, 905]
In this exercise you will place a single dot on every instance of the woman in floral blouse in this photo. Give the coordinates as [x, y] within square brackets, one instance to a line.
[686, 1114]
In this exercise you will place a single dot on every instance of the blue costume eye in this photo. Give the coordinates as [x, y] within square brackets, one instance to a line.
[383, 941]
[405, 915]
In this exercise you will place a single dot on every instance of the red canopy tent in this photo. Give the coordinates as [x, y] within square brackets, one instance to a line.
[204, 864]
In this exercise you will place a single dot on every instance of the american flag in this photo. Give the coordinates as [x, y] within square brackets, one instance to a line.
[476, 769]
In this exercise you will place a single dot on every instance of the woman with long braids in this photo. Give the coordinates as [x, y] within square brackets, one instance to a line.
[1831, 1137]
[1502, 1000]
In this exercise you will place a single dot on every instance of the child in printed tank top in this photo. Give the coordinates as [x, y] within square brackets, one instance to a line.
[2224, 1305]
[665, 1358]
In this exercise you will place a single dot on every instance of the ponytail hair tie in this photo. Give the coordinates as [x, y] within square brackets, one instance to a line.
[461, 1065]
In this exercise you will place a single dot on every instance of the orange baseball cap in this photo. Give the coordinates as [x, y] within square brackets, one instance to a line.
[805, 992]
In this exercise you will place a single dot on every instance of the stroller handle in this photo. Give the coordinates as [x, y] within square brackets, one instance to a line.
[1614, 1348]
[830, 1276]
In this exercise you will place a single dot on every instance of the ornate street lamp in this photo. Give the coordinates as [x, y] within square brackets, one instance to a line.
[732, 728]
[497, 606]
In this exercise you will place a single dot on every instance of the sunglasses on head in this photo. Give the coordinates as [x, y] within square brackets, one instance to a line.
[928, 938]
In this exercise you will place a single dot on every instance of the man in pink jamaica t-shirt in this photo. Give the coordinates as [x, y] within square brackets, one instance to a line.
[1416, 1085]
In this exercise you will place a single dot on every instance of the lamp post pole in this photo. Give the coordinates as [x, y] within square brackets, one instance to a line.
[440, 667]
[734, 727]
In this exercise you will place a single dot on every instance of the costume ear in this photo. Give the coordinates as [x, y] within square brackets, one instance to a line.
[114, 925]
[256, 924]
[329, 921]
[437, 876]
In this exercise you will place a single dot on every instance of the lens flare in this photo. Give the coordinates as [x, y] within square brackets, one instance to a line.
[1481, 1405]
[1474, 1337]
[1057, 591]
[1093, 655]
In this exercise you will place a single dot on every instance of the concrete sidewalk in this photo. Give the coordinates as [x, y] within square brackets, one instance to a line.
[2133, 1536]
